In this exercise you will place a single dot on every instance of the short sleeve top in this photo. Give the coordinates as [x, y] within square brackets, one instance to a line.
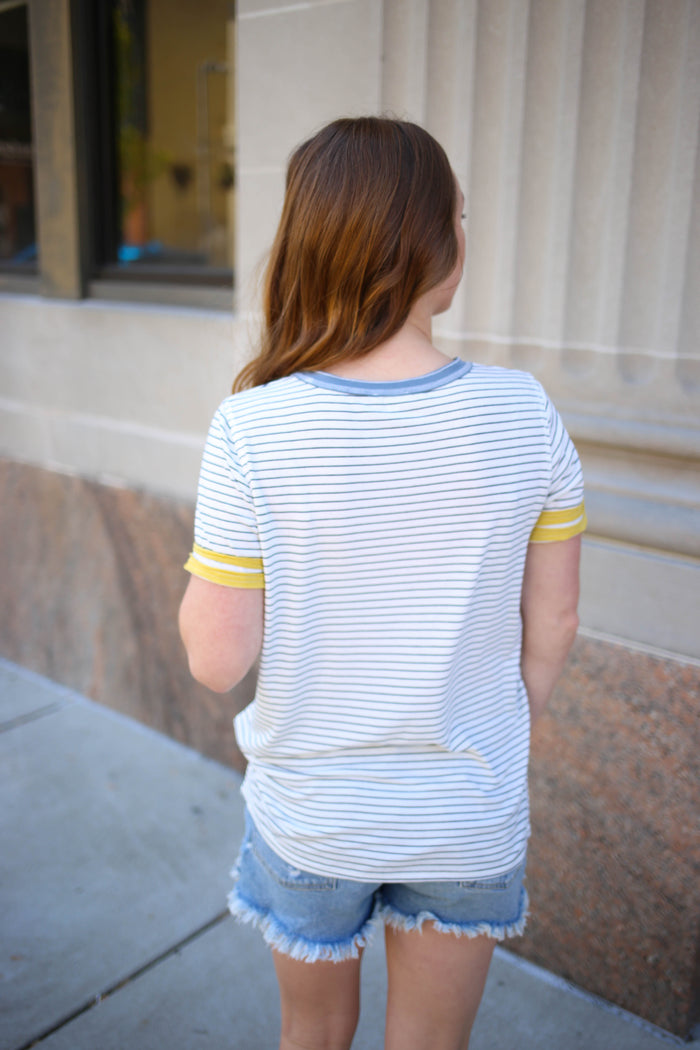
[388, 523]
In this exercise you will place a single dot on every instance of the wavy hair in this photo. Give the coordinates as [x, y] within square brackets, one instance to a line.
[367, 227]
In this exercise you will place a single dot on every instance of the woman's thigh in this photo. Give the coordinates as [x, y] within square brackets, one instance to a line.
[440, 938]
[319, 1002]
[435, 984]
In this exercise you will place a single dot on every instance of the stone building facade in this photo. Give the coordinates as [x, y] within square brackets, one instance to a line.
[573, 127]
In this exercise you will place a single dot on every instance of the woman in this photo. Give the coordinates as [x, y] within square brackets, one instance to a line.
[411, 525]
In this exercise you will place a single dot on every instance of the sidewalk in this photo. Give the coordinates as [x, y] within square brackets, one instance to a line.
[115, 845]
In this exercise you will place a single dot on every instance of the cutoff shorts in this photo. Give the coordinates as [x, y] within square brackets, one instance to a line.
[311, 917]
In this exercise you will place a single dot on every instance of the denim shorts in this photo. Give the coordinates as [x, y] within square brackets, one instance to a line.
[311, 917]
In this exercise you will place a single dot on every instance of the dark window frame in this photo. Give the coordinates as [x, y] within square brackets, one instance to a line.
[25, 270]
[94, 78]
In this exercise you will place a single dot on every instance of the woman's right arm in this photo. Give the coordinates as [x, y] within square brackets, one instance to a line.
[550, 620]
[222, 630]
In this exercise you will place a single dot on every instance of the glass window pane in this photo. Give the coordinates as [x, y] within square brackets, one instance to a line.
[173, 103]
[17, 233]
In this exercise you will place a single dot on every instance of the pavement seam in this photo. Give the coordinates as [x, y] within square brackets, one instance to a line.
[94, 1001]
[34, 716]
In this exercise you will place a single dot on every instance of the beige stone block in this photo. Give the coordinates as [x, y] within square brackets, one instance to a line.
[500, 67]
[246, 9]
[115, 390]
[127, 455]
[585, 383]
[299, 67]
[688, 365]
[451, 57]
[660, 194]
[555, 37]
[260, 195]
[643, 498]
[642, 595]
[158, 366]
[605, 118]
[23, 435]
[405, 64]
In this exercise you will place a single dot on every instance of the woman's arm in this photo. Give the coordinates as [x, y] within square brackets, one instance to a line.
[548, 605]
[222, 628]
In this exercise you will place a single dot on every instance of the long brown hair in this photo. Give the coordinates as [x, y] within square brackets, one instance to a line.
[367, 227]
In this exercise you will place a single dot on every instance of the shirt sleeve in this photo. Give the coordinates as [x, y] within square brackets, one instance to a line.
[564, 513]
[226, 546]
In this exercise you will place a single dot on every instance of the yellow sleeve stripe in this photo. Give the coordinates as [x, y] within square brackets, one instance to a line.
[557, 517]
[248, 580]
[228, 559]
[567, 524]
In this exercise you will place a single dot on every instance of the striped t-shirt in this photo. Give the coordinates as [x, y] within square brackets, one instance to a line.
[388, 523]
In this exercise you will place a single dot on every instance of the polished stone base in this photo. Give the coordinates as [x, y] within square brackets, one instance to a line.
[92, 578]
[614, 871]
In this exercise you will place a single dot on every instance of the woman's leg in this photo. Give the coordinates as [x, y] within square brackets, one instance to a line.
[320, 1003]
[436, 981]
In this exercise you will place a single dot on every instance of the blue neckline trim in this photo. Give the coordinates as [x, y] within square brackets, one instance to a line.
[454, 370]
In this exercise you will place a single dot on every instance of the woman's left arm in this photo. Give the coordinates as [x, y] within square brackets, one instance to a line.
[222, 628]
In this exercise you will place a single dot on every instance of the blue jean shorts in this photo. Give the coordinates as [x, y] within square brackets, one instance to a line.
[311, 917]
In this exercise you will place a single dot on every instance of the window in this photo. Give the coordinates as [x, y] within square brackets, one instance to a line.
[161, 140]
[17, 223]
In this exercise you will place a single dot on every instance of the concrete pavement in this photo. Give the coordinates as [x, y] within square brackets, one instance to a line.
[115, 846]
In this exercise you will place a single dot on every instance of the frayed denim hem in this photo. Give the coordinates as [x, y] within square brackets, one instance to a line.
[499, 931]
[292, 945]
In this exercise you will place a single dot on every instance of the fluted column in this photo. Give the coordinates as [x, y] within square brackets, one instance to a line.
[573, 129]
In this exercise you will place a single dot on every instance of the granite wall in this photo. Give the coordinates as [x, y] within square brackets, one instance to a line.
[614, 872]
[92, 579]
